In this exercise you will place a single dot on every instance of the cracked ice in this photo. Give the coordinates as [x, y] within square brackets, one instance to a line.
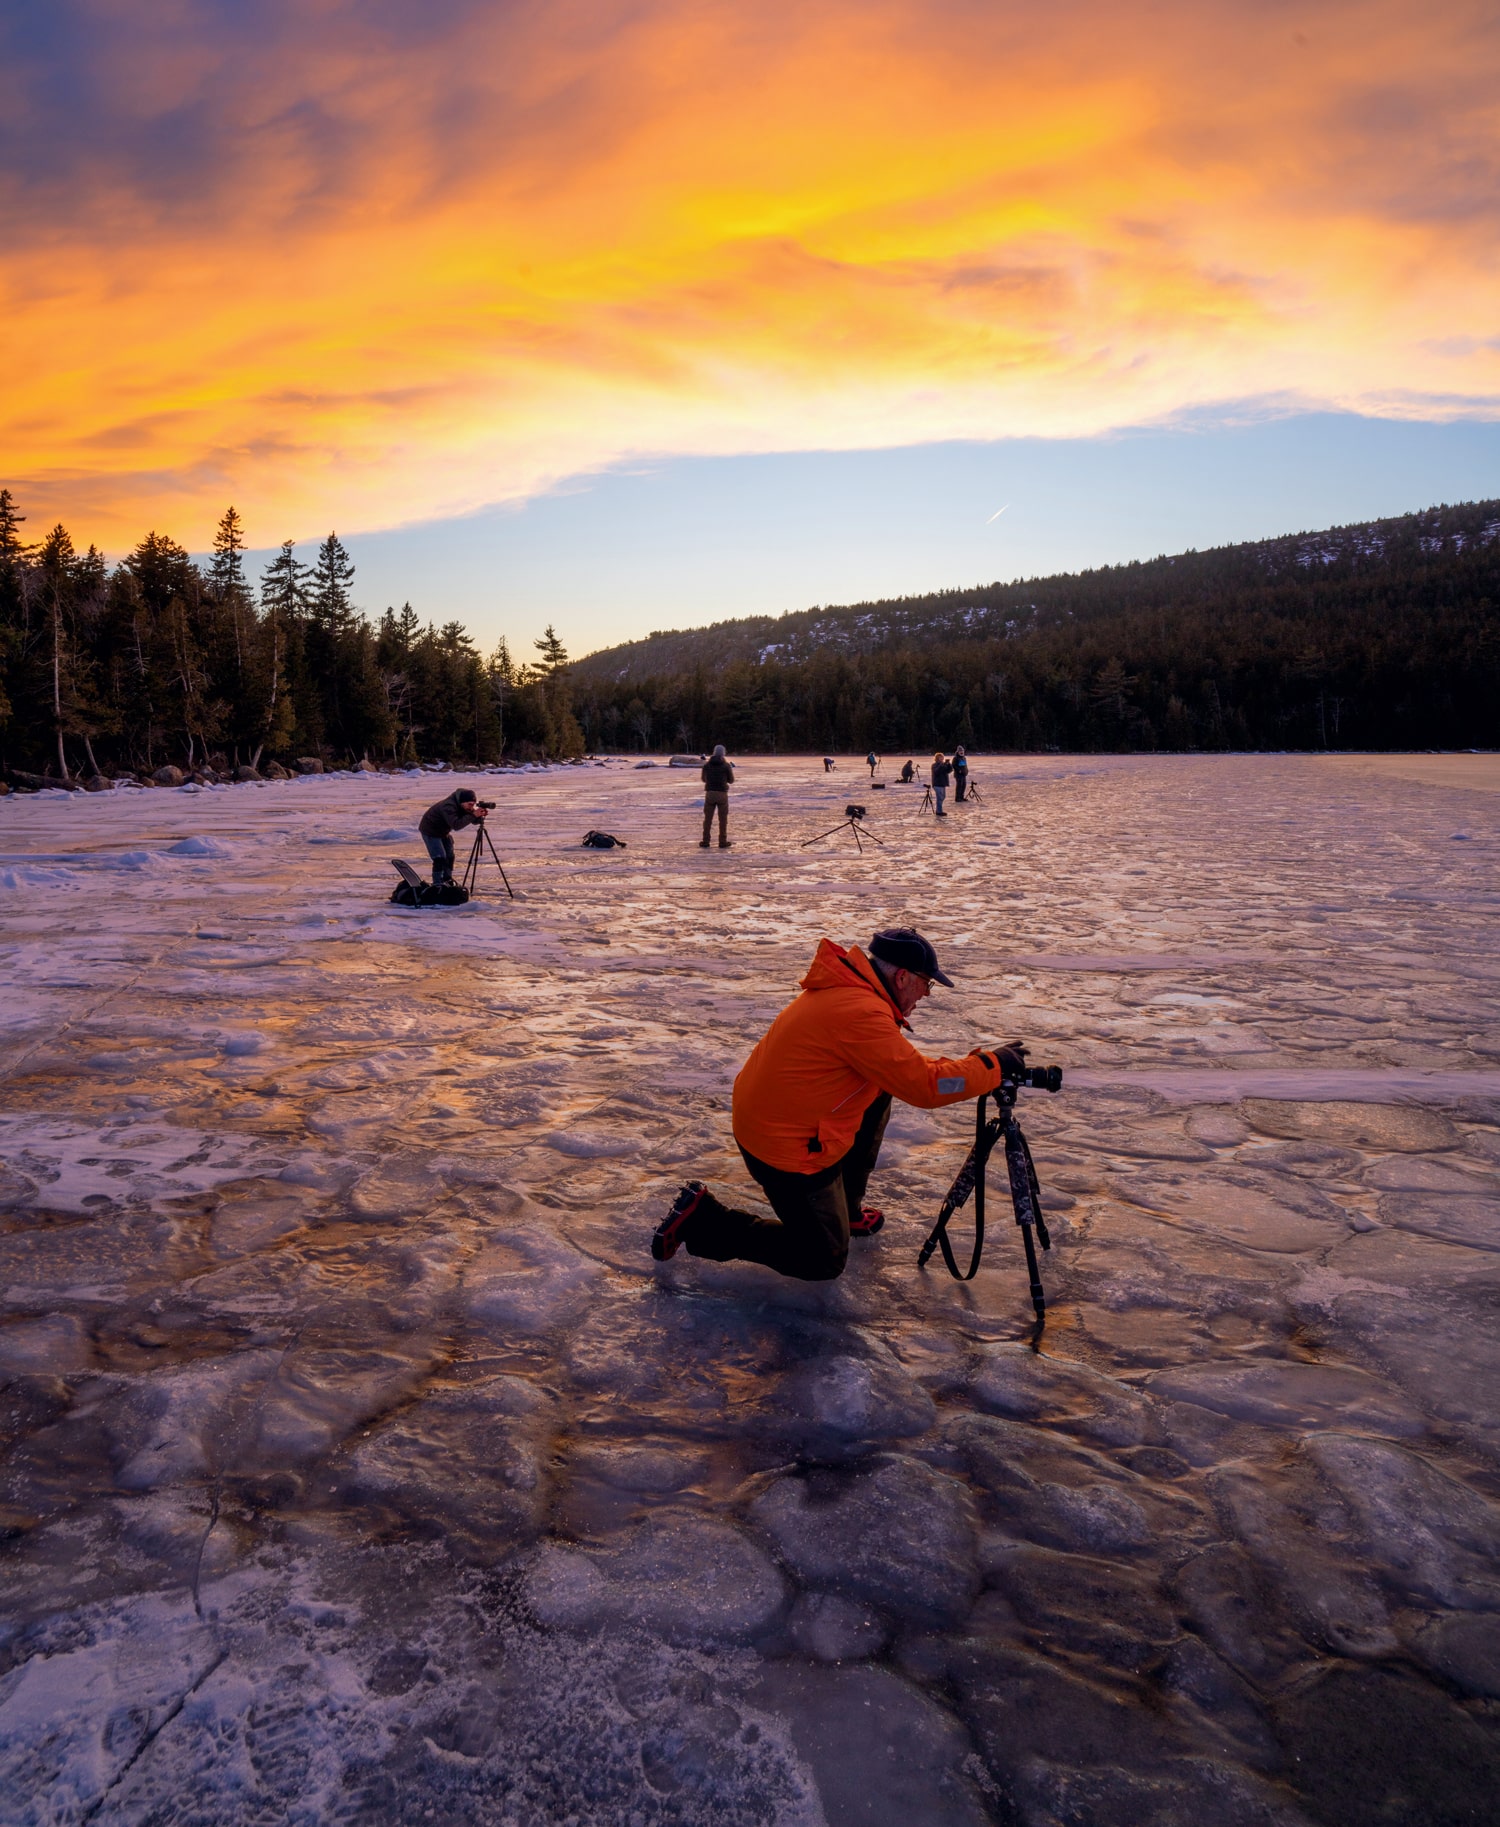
[359, 1464]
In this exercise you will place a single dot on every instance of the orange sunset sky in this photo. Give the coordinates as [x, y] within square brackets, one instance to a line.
[364, 265]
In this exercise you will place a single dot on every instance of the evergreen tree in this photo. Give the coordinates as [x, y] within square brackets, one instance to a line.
[356, 715]
[227, 571]
[291, 715]
[226, 578]
[67, 580]
[554, 656]
[12, 585]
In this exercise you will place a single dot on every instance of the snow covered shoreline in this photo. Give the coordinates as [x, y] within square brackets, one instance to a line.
[360, 1464]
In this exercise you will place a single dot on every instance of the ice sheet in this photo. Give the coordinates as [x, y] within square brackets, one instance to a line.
[359, 1465]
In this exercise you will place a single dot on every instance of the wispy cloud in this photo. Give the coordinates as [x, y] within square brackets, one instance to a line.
[360, 265]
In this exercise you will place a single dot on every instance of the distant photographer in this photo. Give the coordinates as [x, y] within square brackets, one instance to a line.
[811, 1105]
[942, 773]
[718, 778]
[459, 810]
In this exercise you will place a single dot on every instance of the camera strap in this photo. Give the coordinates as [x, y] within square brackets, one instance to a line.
[970, 1179]
[1025, 1196]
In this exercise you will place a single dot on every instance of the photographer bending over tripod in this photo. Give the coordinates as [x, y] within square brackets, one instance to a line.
[811, 1105]
[461, 808]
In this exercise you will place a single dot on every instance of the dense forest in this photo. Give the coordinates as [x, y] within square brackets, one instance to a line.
[159, 661]
[1385, 635]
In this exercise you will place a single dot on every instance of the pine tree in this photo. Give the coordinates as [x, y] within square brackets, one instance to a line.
[501, 672]
[227, 571]
[554, 655]
[332, 576]
[12, 586]
[331, 620]
[57, 562]
[284, 605]
[227, 580]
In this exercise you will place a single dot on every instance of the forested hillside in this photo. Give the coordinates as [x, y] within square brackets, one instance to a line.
[159, 661]
[1383, 635]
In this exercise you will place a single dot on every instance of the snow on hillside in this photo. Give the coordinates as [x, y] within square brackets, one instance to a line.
[360, 1465]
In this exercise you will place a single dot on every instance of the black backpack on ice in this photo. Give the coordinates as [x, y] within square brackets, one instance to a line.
[412, 891]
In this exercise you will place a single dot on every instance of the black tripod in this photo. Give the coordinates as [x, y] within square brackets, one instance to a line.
[470, 879]
[1025, 1194]
[927, 804]
[971, 791]
[849, 822]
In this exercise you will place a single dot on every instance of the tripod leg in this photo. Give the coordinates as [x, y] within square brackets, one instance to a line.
[821, 835]
[1026, 1199]
[1038, 1293]
[498, 864]
[1034, 1189]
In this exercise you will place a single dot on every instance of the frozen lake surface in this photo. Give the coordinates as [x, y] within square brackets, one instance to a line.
[360, 1465]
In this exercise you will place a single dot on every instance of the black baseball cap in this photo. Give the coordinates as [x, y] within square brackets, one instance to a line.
[905, 947]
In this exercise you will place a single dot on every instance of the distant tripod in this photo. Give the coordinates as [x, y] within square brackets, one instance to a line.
[470, 879]
[971, 791]
[928, 804]
[849, 822]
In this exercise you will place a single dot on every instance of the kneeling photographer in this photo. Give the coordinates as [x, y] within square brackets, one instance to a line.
[811, 1105]
[460, 809]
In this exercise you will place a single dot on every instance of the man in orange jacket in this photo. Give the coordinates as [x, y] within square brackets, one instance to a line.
[811, 1105]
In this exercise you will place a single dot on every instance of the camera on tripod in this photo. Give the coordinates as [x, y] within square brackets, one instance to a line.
[488, 804]
[1025, 1193]
[854, 811]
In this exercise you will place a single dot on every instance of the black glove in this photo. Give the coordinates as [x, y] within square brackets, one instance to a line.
[1010, 1059]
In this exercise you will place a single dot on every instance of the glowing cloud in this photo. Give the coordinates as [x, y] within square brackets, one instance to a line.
[350, 267]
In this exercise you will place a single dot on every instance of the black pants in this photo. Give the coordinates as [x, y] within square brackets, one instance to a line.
[960, 784]
[440, 849]
[809, 1236]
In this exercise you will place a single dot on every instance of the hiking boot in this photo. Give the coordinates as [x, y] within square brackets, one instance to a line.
[867, 1223]
[668, 1237]
[726, 843]
[704, 845]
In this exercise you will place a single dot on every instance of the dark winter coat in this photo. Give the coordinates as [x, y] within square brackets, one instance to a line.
[718, 776]
[941, 770]
[446, 817]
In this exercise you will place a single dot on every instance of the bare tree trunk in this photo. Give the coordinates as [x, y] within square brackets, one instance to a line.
[255, 758]
[88, 749]
[275, 680]
[62, 760]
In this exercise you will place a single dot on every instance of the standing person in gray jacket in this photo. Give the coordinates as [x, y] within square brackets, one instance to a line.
[718, 778]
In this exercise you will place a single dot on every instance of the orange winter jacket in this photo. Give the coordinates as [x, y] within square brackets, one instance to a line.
[827, 1056]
